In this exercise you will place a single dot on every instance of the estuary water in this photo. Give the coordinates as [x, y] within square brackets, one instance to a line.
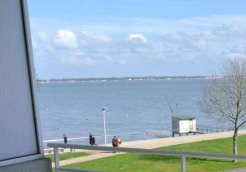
[131, 106]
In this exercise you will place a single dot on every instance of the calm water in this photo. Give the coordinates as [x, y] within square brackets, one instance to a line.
[132, 106]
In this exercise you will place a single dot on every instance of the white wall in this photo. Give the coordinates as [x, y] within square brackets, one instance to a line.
[184, 126]
[194, 125]
[18, 137]
[187, 126]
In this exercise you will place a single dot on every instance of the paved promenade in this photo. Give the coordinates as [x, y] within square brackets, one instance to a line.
[151, 144]
[237, 170]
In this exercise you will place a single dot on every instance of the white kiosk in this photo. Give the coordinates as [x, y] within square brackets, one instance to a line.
[183, 124]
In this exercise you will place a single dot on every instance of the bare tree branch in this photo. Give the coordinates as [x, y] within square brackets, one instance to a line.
[225, 99]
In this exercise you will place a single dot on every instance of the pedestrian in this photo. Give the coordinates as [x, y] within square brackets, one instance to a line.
[93, 140]
[114, 143]
[118, 141]
[65, 138]
[90, 139]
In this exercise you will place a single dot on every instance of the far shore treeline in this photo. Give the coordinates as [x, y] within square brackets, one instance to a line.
[126, 78]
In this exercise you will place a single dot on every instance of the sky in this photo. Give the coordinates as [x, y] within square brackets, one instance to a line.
[119, 38]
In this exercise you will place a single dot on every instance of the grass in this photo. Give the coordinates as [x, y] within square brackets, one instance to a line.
[66, 156]
[153, 163]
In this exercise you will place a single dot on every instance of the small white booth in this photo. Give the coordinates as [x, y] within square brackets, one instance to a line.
[183, 124]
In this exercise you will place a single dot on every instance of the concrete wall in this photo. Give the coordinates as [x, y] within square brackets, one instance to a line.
[40, 165]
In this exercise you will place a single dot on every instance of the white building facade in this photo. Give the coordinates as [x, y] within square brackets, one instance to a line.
[20, 134]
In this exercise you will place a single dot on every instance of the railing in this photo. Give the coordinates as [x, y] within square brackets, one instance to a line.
[201, 129]
[149, 134]
[181, 154]
[100, 138]
[208, 129]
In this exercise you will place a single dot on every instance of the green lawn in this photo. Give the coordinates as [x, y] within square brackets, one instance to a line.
[150, 163]
[67, 155]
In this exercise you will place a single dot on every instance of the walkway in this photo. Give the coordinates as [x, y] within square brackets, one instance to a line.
[237, 170]
[152, 144]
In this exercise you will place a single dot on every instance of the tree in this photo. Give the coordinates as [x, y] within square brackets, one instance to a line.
[224, 99]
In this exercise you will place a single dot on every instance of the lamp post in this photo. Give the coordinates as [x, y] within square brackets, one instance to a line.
[104, 124]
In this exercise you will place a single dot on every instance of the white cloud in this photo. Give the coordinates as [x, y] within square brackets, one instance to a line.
[43, 36]
[109, 59]
[137, 37]
[65, 39]
[95, 37]
[179, 42]
[77, 61]
[122, 62]
[208, 36]
[230, 30]
[236, 55]
[188, 57]
[34, 44]
[184, 41]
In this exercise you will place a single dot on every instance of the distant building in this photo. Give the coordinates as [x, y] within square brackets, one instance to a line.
[183, 124]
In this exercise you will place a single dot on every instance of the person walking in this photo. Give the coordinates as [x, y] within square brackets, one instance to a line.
[90, 139]
[93, 140]
[65, 138]
[114, 143]
[118, 141]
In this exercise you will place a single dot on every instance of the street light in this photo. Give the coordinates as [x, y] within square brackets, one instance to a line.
[104, 124]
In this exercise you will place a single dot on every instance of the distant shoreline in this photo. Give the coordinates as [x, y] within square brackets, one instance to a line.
[150, 78]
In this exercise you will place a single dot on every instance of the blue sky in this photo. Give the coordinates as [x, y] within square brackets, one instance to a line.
[117, 38]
